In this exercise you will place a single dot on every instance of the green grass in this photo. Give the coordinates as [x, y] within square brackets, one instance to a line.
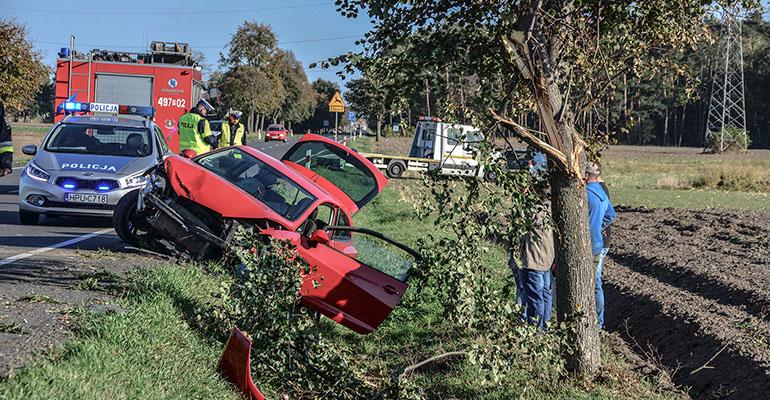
[26, 134]
[149, 352]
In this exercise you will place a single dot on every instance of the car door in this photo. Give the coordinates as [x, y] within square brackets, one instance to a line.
[349, 177]
[357, 292]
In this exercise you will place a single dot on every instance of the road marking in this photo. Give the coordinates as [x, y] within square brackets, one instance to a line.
[15, 168]
[65, 243]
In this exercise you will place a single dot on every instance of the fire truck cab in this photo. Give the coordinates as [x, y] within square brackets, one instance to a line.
[165, 78]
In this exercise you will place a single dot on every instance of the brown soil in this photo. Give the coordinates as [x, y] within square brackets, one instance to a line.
[690, 292]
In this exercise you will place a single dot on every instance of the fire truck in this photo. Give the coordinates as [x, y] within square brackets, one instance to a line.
[166, 78]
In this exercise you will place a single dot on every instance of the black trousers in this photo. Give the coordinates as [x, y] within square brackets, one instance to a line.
[6, 160]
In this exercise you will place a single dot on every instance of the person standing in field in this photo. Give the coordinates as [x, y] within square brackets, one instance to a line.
[601, 215]
[6, 144]
[537, 254]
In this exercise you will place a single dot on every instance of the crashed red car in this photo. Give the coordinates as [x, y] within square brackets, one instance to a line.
[193, 206]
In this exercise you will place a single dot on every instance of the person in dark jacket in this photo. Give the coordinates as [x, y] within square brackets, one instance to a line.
[6, 144]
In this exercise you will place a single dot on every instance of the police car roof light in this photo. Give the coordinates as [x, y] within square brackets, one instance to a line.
[73, 106]
[432, 119]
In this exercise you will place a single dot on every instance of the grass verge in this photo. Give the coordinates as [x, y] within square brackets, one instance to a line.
[148, 352]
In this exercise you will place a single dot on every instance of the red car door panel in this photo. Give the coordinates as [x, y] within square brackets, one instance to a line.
[342, 288]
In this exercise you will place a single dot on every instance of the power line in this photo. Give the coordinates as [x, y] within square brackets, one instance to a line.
[208, 12]
[208, 46]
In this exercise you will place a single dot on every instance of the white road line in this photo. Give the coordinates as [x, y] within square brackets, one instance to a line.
[65, 243]
[15, 168]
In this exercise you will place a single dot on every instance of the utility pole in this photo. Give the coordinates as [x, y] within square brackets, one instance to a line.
[727, 105]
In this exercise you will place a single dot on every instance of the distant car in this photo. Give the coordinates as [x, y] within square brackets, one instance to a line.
[86, 164]
[275, 132]
[308, 198]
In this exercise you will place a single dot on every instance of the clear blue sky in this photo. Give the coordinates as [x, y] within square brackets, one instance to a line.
[312, 29]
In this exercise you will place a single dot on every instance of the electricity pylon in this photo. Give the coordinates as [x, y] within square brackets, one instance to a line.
[726, 125]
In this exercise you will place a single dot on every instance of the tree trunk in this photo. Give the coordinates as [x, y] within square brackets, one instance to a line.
[379, 128]
[681, 126]
[576, 271]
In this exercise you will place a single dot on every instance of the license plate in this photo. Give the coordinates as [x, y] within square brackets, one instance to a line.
[86, 198]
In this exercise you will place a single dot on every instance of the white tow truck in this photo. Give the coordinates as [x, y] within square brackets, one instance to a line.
[436, 145]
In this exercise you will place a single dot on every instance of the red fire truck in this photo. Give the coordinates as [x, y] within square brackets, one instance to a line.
[166, 78]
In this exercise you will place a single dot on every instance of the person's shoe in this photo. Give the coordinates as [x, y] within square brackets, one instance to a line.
[5, 172]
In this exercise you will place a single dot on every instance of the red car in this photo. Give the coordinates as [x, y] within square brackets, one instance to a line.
[275, 132]
[193, 205]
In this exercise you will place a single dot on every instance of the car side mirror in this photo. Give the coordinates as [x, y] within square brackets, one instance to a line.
[29, 149]
[319, 236]
[189, 153]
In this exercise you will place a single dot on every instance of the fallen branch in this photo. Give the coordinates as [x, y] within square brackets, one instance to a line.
[428, 361]
[706, 365]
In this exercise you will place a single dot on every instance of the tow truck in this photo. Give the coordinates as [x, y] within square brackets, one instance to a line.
[436, 145]
[448, 147]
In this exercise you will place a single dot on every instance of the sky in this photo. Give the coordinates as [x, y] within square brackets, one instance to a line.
[312, 29]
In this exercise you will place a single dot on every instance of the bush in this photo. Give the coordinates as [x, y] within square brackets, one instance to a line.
[735, 139]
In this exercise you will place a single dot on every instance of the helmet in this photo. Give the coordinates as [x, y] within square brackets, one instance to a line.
[206, 105]
[235, 113]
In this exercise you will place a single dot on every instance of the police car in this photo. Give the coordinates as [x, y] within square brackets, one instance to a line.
[87, 163]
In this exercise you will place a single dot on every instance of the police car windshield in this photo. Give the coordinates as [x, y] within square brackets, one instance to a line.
[104, 140]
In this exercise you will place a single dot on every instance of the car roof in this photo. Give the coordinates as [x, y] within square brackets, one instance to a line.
[133, 121]
[306, 183]
[275, 126]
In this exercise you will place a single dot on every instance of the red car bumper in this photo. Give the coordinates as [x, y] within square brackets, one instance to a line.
[275, 136]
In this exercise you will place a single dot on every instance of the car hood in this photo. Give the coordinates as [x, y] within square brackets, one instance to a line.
[65, 162]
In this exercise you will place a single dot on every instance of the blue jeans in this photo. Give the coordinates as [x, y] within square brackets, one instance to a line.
[520, 296]
[537, 296]
[598, 290]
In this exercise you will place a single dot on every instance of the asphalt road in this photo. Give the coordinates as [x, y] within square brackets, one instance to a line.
[22, 244]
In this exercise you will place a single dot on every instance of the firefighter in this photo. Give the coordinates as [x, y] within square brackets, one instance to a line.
[6, 145]
[233, 132]
[194, 130]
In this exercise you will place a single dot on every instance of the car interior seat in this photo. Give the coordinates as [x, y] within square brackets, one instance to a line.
[135, 145]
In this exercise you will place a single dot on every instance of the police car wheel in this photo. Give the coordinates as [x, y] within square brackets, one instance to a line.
[29, 218]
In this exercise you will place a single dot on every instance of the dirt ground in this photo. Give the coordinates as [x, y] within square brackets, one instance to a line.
[689, 291]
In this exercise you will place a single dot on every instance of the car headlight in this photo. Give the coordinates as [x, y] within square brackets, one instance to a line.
[136, 180]
[37, 173]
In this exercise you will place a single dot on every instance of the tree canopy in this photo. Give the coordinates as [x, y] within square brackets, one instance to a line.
[22, 73]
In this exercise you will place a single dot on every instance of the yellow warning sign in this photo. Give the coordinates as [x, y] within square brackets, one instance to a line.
[336, 104]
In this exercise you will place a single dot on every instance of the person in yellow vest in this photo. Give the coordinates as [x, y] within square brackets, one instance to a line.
[6, 145]
[194, 130]
[233, 132]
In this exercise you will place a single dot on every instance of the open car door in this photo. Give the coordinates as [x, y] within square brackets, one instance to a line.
[358, 291]
[339, 170]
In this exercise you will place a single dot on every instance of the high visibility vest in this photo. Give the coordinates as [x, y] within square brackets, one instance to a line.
[6, 144]
[189, 137]
[227, 139]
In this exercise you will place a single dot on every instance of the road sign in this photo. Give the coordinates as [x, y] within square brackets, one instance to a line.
[336, 104]
[351, 116]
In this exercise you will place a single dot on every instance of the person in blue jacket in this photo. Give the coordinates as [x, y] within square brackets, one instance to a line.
[600, 215]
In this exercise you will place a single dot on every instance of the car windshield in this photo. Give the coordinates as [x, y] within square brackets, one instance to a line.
[274, 128]
[260, 180]
[100, 140]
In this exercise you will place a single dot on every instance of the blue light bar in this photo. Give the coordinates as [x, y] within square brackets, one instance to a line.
[69, 185]
[103, 188]
[106, 108]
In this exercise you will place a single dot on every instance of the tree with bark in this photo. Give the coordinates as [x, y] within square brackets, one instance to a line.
[252, 80]
[22, 72]
[556, 57]
[300, 99]
[368, 101]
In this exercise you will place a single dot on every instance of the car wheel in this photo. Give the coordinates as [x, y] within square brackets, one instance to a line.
[123, 220]
[29, 218]
[490, 176]
[395, 169]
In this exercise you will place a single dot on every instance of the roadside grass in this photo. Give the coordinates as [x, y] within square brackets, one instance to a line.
[662, 176]
[148, 352]
[24, 134]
